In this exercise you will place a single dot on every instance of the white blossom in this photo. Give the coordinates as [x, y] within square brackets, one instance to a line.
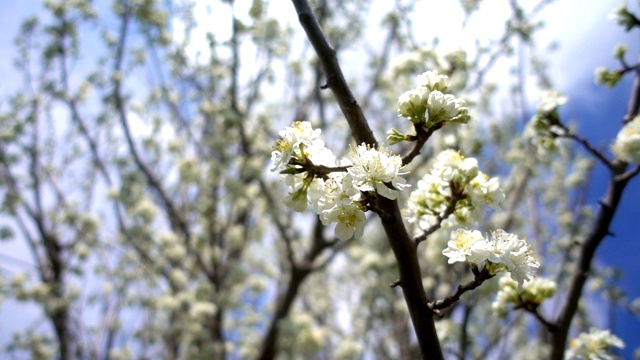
[372, 169]
[533, 292]
[412, 104]
[201, 309]
[293, 142]
[350, 220]
[550, 100]
[501, 251]
[594, 345]
[626, 146]
[433, 81]
[339, 189]
[348, 349]
[459, 247]
[297, 198]
[146, 209]
[429, 104]
[453, 181]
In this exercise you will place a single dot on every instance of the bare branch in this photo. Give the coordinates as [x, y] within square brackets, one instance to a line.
[600, 229]
[480, 277]
[401, 243]
[586, 144]
[335, 79]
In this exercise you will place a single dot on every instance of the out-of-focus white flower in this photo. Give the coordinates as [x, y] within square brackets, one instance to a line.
[550, 100]
[372, 169]
[544, 130]
[448, 331]
[484, 190]
[620, 50]
[594, 345]
[623, 17]
[189, 169]
[145, 209]
[533, 293]
[433, 81]
[450, 165]
[626, 146]
[178, 277]
[201, 309]
[606, 77]
[167, 302]
[348, 349]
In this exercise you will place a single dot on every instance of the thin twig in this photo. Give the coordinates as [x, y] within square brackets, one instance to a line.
[481, 277]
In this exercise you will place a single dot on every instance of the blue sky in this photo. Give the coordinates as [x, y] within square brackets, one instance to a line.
[599, 121]
[598, 112]
[586, 41]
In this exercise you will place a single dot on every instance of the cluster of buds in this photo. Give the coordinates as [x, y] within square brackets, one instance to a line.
[533, 293]
[453, 193]
[429, 105]
[545, 127]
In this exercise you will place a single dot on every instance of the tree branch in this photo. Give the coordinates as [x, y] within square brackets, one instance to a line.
[481, 277]
[599, 231]
[401, 243]
[335, 79]
[585, 143]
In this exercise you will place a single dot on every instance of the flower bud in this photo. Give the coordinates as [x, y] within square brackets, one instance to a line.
[606, 77]
[620, 51]
[394, 136]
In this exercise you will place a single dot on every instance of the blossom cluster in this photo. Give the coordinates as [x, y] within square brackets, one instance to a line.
[533, 293]
[544, 128]
[454, 186]
[336, 188]
[594, 345]
[296, 143]
[429, 104]
[605, 77]
[626, 146]
[624, 17]
[500, 252]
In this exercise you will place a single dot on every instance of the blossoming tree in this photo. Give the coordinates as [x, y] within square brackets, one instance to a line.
[173, 206]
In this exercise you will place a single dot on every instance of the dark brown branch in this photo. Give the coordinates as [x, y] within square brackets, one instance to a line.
[549, 325]
[629, 174]
[404, 250]
[335, 79]
[585, 143]
[481, 277]
[298, 275]
[599, 231]
[421, 138]
[440, 218]
[401, 243]
[464, 329]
